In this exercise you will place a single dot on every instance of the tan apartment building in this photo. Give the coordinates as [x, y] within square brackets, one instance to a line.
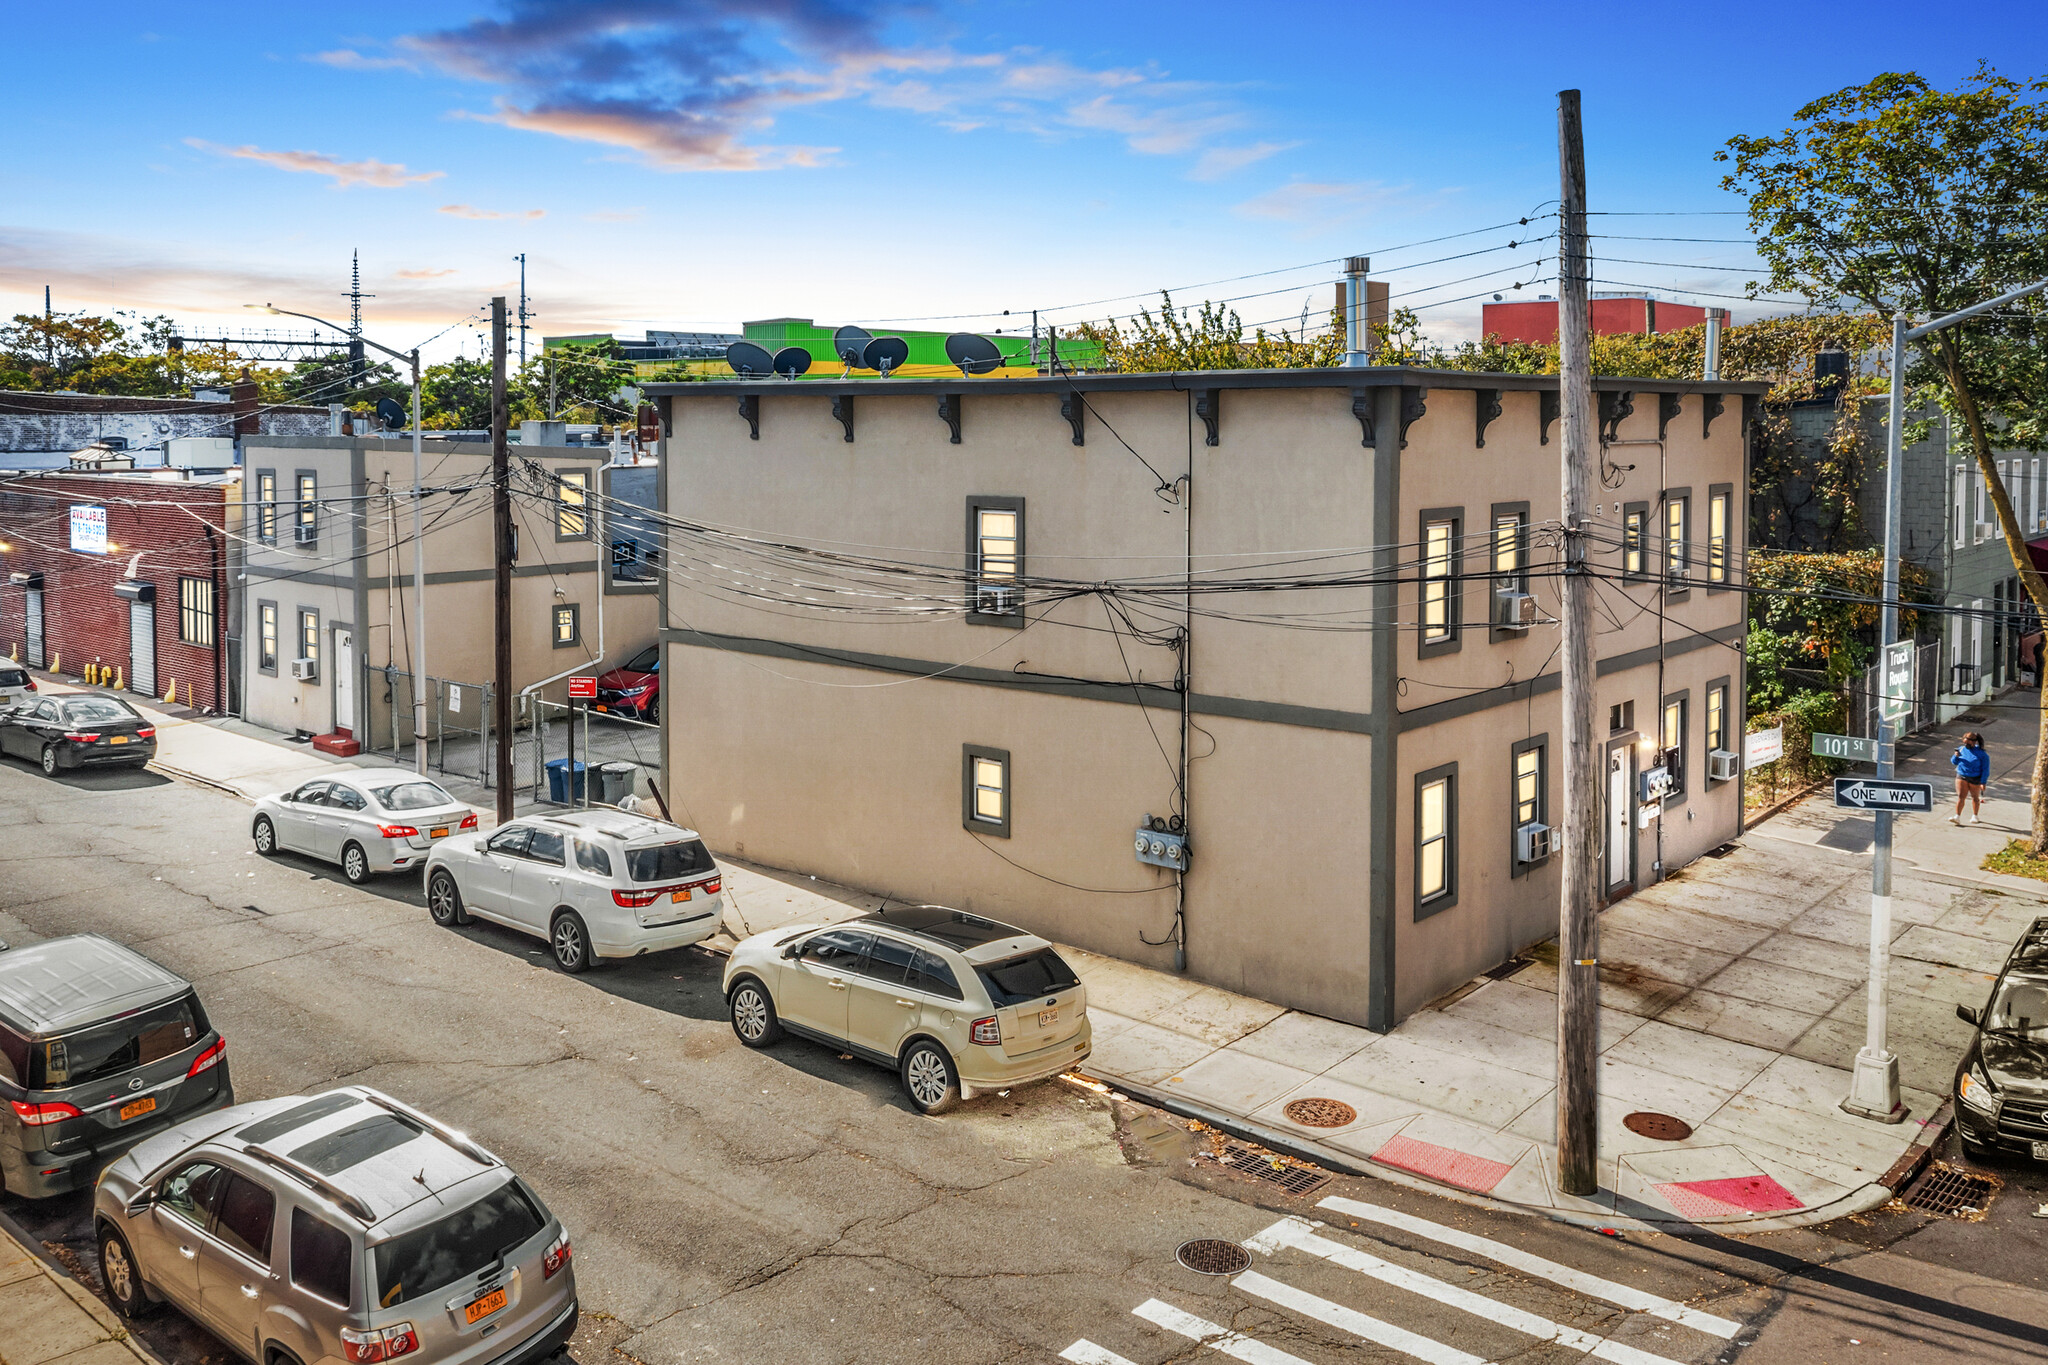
[328, 602]
[1000, 644]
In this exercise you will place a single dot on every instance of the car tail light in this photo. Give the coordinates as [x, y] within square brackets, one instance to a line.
[82, 737]
[633, 900]
[986, 1032]
[209, 1059]
[31, 684]
[557, 1256]
[146, 732]
[36, 1115]
[469, 821]
[379, 1343]
[398, 831]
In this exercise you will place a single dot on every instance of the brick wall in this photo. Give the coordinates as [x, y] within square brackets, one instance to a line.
[84, 620]
[42, 421]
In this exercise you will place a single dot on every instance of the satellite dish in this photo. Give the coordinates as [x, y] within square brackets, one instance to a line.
[391, 413]
[748, 359]
[792, 361]
[885, 354]
[848, 342]
[972, 353]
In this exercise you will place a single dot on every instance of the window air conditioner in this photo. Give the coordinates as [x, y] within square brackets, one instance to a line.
[1532, 842]
[305, 670]
[1517, 610]
[995, 601]
[1722, 766]
[305, 535]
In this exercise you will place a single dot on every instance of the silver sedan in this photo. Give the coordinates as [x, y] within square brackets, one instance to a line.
[369, 820]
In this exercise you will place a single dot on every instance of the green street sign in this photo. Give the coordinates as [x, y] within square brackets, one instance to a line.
[1854, 748]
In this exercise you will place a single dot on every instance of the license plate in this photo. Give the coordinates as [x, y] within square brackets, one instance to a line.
[680, 896]
[485, 1306]
[2041, 1151]
[438, 832]
[602, 707]
[117, 739]
[1047, 1018]
[135, 1109]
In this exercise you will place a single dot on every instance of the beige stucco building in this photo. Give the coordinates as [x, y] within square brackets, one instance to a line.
[954, 641]
[328, 563]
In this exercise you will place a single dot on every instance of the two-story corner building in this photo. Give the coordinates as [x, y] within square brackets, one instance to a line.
[955, 641]
[327, 614]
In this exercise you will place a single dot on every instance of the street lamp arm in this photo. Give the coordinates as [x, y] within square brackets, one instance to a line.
[1951, 319]
[407, 356]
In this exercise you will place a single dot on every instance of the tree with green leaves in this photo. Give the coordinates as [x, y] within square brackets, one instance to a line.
[1900, 196]
[1214, 339]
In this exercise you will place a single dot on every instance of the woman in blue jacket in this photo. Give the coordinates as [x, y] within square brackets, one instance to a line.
[1972, 763]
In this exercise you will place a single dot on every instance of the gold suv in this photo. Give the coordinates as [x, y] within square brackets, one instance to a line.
[952, 1002]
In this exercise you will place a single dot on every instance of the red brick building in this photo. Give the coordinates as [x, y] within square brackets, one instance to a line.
[1611, 315]
[130, 572]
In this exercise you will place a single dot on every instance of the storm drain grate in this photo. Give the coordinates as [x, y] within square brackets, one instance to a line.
[1951, 1193]
[1213, 1256]
[1316, 1112]
[1274, 1171]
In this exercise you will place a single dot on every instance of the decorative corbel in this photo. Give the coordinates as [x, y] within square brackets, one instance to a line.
[1209, 407]
[1488, 408]
[1412, 408]
[842, 410]
[1669, 405]
[664, 408]
[949, 413]
[1711, 406]
[1361, 408]
[1615, 407]
[750, 410]
[1549, 403]
[1075, 411]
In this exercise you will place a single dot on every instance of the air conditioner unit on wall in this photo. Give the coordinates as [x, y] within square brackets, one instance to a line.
[1517, 610]
[995, 601]
[1532, 842]
[305, 670]
[303, 534]
[1722, 766]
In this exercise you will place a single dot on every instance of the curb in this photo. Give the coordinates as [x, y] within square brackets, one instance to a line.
[109, 1324]
[1916, 1156]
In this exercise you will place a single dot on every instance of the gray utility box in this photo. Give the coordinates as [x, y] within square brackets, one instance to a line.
[1160, 848]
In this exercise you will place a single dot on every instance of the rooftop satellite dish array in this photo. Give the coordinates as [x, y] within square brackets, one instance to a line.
[858, 349]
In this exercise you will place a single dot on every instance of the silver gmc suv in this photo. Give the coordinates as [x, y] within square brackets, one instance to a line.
[342, 1227]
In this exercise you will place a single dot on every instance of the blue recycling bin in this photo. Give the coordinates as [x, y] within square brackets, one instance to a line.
[564, 787]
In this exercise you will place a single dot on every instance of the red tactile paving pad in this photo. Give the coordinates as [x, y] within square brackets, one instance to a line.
[1729, 1197]
[1448, 1164]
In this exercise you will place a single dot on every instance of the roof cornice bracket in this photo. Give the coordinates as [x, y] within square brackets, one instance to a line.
[1711, 407]
[1412, 408]
[1549, 403]
[1075, 410]
[1487, 409]
[1209, 407]
[1361, 408]
[1616, 406]
[750, 410]
[1669, 406]
[949, 413]
[842, 412]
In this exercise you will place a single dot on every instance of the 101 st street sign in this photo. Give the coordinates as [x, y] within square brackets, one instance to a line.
[1883, 793]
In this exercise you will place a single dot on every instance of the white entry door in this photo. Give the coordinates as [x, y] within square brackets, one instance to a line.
[1620, 835]
[345, 680]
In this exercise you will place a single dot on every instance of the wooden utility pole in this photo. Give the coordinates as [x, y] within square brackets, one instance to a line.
[1578, 932]
[501, 523]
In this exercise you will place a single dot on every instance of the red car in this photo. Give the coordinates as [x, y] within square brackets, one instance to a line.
[633, 688]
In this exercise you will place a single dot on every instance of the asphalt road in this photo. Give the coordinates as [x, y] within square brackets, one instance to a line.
[786, 1206]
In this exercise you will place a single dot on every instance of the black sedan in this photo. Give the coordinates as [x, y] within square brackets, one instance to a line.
[2002, 1084]
[78, 730]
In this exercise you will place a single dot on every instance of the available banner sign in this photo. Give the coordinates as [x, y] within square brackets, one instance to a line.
[88, 529]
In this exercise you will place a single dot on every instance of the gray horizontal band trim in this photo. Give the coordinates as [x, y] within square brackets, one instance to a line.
[1370, 377]
[333, 580]
[1144, 694]
[1509, 693]
[318, 580]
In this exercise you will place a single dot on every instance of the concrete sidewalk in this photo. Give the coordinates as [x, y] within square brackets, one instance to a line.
[47, 1318]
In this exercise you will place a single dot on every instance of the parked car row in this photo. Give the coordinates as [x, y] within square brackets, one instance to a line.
[74, 730]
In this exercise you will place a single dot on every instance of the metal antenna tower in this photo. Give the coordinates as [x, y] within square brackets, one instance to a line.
[357, 368]
[523, 313]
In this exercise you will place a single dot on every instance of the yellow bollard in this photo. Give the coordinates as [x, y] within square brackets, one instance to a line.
[91, 675]
[172, 694]
[56, 663]
[120, 679]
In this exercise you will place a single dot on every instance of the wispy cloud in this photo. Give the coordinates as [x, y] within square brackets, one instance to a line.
[422, 274]
[1324, 200]
[383, 175]
[348, 59]
[1218, 162]
[487, 215]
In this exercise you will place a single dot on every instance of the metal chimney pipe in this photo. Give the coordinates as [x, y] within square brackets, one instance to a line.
[1356, 333]
[1712, 368]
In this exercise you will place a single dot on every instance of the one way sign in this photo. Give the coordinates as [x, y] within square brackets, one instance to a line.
[1879, 793]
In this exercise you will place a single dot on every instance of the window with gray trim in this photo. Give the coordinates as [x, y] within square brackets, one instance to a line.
[1671, 739]
[309, 635]
[1528, 796]
[568, 625]
[1677, 535]
[985, 790]
[307, 525]
[1436, 840]
[1635, 531]
[572, 503]
[995, 561]
[266, 506]
[1508, 559]
[1441, 591]
[1721, 532]
[1717, 731]
[266, 637]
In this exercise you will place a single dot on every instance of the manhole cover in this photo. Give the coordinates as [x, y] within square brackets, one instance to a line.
[1952, 1193]
[1213, 1256]
[1661, 1127]
[1320, 1113]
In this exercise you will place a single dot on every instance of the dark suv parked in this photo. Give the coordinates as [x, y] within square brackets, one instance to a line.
[2002, 1085]
[99, 1048]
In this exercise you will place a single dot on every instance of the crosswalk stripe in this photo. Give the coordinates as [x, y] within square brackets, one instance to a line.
[1296, 1233]
[1624, 1295]
[1352, 1321]
[1233, 1344]
[1086, 1352]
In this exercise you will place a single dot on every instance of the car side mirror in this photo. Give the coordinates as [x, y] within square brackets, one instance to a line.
[792, 950]
[1968, 1014]
[142, 1201]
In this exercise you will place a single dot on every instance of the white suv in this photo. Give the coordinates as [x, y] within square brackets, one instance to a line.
[594, 884]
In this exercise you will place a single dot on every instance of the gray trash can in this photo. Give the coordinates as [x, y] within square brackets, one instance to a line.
[614, 783]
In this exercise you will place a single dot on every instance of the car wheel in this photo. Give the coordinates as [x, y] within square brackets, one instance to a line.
[266, 836]
[444, 901]
[929, 1079]
[355, 864]
[119, 1275]
[753, 1014]
[652, 715]
[571, 943]
[49, 760]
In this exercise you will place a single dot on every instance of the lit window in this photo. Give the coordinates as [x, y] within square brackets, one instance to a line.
[985, 795]
[571, 494]
[266, 506]
[266, 632]
[1717, 538]
[1435, 840]
[1674, 541]
[1632, 526]
[309, 634]
[309, 506]
[995, 547]
[568, 628]
[1510, 558]
[1528, 785]
[1674, 743]
[195, 611]
[1717, 718]
[1438, 618]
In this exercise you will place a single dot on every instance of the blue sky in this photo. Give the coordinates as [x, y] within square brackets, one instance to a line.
[694, 165]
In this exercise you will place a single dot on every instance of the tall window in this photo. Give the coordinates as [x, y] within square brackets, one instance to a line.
[1962, 505]
[195, 611]
[1510, 557]
[1674, 742]
[1528, 786]
[309, 505]
[985, 790]
[266, 637]
[1717, 718]
[1676, 511]
[572, 493]
[309, 634]
[266, 506]
[568, 627]
[1717, 535]
[1436, 840]
[1530, 799]
[1634, 526]
[1439, 590]
[995, 553]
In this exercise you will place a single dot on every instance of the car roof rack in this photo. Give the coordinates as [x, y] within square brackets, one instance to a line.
[461, 1142]
[306, 1175]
